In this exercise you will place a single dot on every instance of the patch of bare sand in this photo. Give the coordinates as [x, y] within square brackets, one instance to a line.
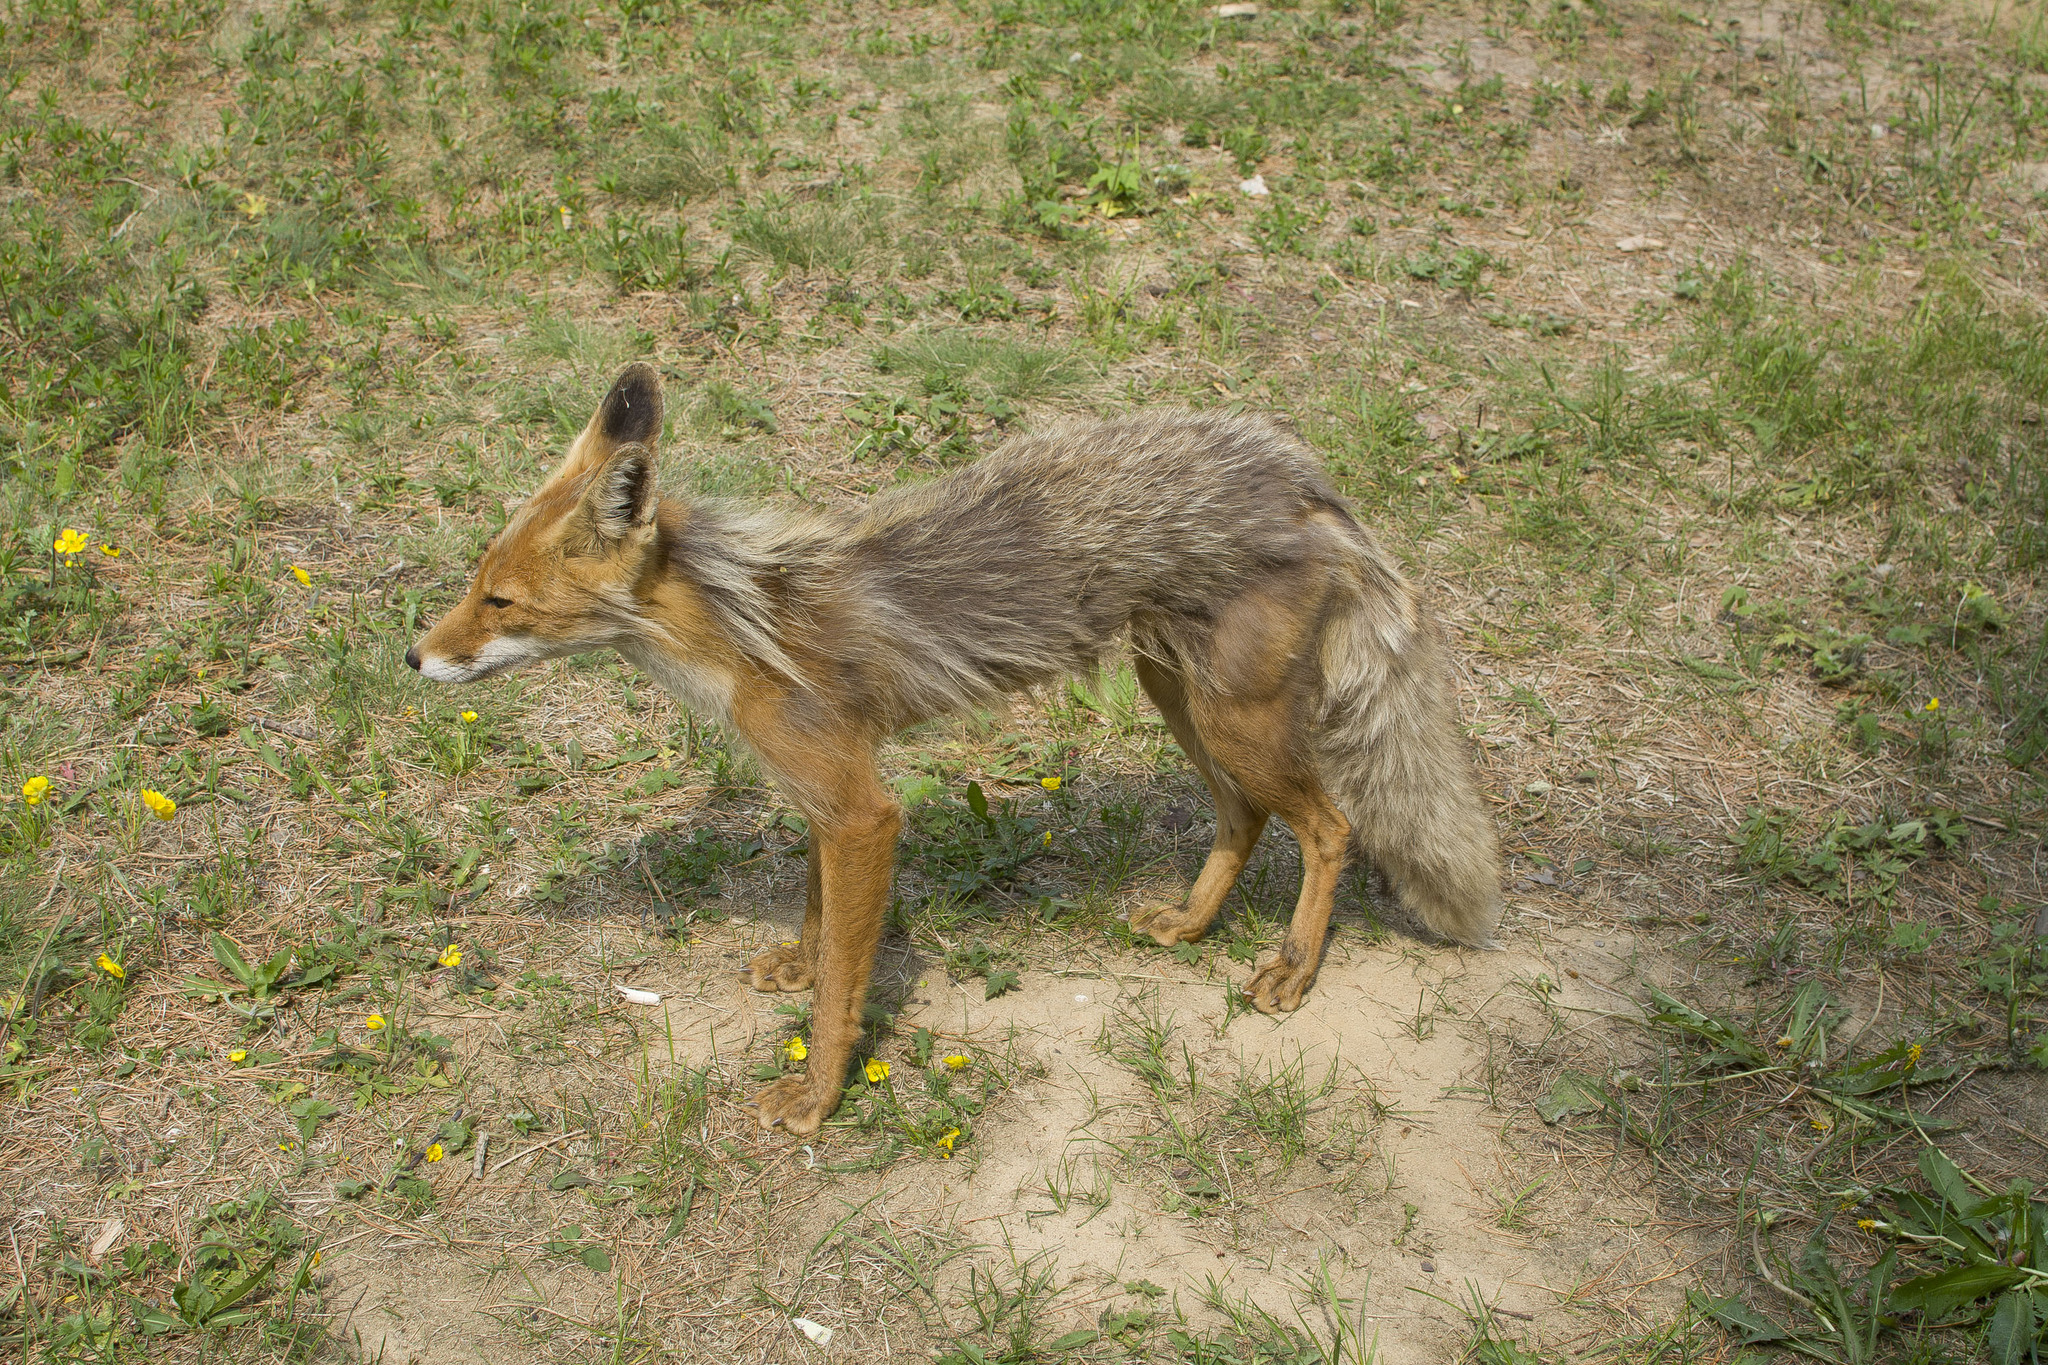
[1449, 1187]
[1446, 1198]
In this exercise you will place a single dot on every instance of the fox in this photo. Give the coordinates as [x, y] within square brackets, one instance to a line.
[1289, 656]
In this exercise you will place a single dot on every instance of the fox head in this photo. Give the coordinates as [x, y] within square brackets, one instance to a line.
[561, 577]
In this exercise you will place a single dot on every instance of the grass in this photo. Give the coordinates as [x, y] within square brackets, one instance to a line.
[1739, 535]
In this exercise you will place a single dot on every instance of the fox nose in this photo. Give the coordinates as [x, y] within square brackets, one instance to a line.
[412, 658]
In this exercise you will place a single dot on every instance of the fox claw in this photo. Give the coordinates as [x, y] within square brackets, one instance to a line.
[781, 969]
[793, 1106]
[1278, 987]
[1169, 924]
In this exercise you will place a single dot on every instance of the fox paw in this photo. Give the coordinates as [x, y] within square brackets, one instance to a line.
[1278, 987]
[781, 969]
[1170, 924]
[795, 1106]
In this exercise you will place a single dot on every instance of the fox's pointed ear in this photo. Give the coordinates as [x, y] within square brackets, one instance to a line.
[620, 496]
[629, 415]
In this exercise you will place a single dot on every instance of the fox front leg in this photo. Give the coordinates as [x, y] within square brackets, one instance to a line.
[793, 967]
[856, 855]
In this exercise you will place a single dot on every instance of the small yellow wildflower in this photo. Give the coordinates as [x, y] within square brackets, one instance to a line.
[316, 1257]
[284, 1146]
[72, 542]
[1914, 1054]
[1051, 784]
[374, 1022]
[32, 790]
[112, 968]
[1048, 838]
[1458, 475]
[469, 717]
[161, 806]
[451, 956]
[238, 1056]
[1822, 1125]
[878, 1071]
[305, 579]
[1866, 1223]
[1785, 1041]
[796, 1049]
[1933, 704]
[254, 206]
[110, 551]
[945, 1144]
[434, 1153]
[958, 1060]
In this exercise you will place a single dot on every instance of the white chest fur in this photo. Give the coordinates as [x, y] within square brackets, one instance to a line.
[705, 690]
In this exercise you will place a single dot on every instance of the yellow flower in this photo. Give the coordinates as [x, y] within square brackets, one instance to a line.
[159, 805]
[1822, 1125]
[1048, 838]
[112, 968]
[434, 1153]
[111, 551]
[958, 1060]
[945, 1144]
[796, 1049]
[316, 1257]
[451, 956]
[305, 579]
[1051, 784]
[254, 205]
[469, 717]
[33, 789]
[1785, 1041]
[1914, 1054]
[1866, 1223]
[374, 1022]
[878, 1071]
[238, 1056]
[72, 542]
[1933, 704]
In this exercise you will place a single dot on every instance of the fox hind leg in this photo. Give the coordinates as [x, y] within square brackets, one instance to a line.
[793, 967]
[1258, 744]
[1239, 822]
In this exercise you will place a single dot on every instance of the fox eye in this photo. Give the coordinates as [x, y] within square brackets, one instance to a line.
[499, 602]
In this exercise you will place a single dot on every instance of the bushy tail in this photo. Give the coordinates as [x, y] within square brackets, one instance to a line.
[1390, 754]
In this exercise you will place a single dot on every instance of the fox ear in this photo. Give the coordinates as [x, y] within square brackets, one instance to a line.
[629, 415]
[620, 496]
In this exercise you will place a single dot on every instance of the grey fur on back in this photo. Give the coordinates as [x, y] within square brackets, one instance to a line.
[1035, 561]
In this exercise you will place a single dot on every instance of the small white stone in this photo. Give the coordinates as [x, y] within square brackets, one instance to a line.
[1256, 186]
[819, 1335]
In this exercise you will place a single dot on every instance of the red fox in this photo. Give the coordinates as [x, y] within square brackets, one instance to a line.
[1283, 647]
